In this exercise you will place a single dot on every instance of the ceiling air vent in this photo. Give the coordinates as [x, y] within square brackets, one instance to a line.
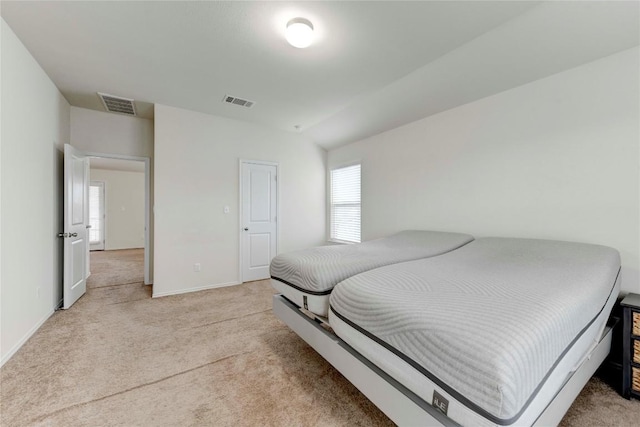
[115, 104]
[238, 101]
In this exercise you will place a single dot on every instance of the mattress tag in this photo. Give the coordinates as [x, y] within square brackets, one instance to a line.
[440, 402]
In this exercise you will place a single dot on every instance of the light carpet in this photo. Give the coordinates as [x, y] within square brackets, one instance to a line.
[216, 357]
[116, 267]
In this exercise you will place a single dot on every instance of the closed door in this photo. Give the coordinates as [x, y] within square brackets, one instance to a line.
[259, 219]
[76, 221]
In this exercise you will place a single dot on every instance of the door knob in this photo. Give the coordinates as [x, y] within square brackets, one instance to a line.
[246, 229]
[67, 234]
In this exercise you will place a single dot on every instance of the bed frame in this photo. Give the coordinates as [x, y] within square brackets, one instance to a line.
[399, 403]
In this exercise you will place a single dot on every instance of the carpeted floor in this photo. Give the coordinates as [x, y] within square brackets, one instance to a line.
[116, 267]
[217, 357]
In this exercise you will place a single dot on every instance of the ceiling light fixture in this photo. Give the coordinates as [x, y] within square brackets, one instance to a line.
[299, 32]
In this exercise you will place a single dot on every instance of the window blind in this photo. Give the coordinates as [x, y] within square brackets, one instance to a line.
[345, 204]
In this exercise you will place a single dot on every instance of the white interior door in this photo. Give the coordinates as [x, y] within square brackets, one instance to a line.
[96, 216]
[259, 219]
[76, 209]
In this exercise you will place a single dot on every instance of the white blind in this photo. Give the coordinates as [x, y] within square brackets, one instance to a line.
[345, 204]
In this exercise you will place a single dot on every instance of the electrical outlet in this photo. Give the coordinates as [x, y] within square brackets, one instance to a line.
[196, 267]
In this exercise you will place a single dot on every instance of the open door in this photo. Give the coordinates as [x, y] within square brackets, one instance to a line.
[76, 220]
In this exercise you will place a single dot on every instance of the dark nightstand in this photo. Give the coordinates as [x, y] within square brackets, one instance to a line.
[631, 346]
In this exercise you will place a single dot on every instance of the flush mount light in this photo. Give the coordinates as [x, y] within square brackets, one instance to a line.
[299, 32]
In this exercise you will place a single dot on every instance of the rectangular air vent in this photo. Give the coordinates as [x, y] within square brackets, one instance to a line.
[238, 101]
[116, 104]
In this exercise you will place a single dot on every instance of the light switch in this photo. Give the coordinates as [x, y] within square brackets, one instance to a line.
[226, 209]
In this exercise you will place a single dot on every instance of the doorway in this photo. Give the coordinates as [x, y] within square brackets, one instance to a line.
[121, 221]
[259, 218]
[76, 202]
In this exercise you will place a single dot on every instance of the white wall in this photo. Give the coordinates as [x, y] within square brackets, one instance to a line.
[35, 126]
[102, 132]
[557, 158]
[196, 175]
[124, 208]
[108, 133]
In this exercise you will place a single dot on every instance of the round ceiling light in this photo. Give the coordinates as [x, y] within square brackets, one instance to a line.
[299, 32]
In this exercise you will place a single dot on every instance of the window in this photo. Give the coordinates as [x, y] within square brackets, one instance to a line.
[345, 204]
[96, 215]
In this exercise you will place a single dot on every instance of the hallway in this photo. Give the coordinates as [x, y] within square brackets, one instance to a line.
[113, 268]
[117, 277]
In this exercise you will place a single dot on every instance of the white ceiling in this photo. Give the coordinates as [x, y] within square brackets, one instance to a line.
[375, 65]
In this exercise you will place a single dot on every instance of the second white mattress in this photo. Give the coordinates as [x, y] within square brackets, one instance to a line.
[486, 323]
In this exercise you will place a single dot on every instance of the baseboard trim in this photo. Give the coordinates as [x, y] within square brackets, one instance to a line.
[24, 339]
[196, 289]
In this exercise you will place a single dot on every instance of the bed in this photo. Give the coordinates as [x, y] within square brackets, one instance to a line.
[497, 332]
[307, 277]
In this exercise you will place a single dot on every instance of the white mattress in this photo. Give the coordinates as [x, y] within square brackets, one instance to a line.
[317, 304]
[307, 277]
[495, 327]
